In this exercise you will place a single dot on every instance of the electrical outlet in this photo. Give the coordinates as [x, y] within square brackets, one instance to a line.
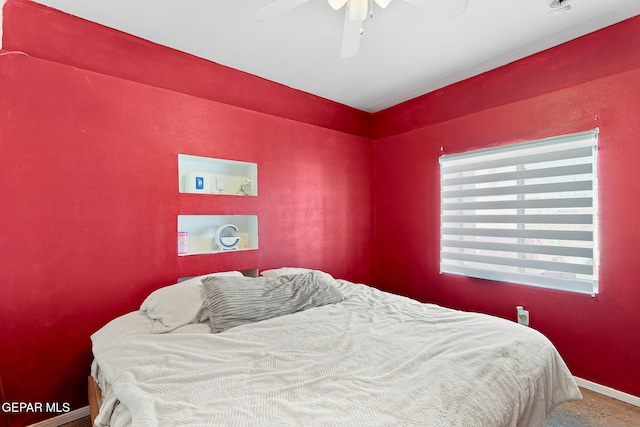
[523, 315]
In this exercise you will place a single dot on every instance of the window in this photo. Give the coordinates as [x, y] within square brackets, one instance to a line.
[523, 213]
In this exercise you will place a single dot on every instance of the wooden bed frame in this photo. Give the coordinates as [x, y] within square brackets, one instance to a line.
[95, 393]
[95, 399]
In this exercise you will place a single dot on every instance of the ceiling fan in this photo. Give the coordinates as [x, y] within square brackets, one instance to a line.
[356, 13]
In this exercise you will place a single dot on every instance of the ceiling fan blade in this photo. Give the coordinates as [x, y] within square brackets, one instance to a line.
[275, 8]
[350, 36]
[449, 9]
[337, 4]
[358, 9]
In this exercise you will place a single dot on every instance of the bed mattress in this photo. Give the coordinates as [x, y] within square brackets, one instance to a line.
[375, 359]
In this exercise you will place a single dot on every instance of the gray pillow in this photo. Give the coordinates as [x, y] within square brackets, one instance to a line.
[235, 301]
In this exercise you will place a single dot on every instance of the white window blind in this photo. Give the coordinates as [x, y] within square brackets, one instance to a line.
[524, 213]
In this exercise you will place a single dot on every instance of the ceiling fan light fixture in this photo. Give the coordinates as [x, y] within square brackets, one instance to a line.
[351, 36]
[383, 3]
[337, 4]
[358, 9]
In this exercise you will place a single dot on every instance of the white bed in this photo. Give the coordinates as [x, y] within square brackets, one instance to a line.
[374, 359]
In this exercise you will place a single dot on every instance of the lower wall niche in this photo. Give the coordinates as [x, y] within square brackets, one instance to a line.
[211, 234]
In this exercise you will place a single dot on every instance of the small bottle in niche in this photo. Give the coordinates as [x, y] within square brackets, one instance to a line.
[182, 242]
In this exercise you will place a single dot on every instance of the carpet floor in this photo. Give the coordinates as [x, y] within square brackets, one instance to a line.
[594, 410]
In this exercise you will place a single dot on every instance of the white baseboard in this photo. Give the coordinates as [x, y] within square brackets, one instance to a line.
[63, 418]
[608, 391]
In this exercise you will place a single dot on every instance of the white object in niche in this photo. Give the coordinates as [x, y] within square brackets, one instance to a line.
[208, 175]
[210, 234]
[225, 239]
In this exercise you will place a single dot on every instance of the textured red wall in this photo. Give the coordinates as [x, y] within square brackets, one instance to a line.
[89, 194]
[584, 59]
[597, 336]
[49, 34]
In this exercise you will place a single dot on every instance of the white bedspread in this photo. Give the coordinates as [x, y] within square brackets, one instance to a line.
[375, 359]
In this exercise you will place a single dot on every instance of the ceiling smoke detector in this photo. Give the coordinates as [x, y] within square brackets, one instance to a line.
[559, 6]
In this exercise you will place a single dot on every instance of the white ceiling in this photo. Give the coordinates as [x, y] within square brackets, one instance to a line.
[404, 52]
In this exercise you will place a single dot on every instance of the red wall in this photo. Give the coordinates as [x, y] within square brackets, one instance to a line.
[49, 34]
[89, 195]
[582, 60]
[592, 81]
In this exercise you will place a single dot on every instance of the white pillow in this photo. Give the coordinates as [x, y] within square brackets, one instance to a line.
[287, 271]
[180, 304]
[277, 272]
